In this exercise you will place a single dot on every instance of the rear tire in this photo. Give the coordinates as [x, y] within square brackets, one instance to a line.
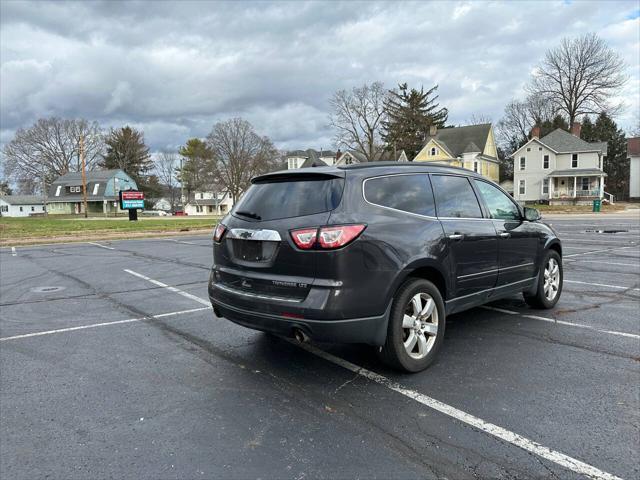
[416, 326]
[549, 286]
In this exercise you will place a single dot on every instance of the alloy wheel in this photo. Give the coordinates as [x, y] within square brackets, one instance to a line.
[551, 279]
[420, 325]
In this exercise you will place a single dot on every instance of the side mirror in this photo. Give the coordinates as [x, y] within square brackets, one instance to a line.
[532, 214]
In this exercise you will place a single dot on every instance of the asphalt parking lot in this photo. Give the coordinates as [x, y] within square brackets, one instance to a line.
[113, 365]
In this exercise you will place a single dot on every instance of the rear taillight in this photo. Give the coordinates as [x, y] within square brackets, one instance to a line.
[326, 238]
[304, 238]
[219, 232]
[336, 237]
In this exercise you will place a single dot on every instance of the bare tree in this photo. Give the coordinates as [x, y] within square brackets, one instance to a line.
[478, 119]
[166, 169]
[50, 148]
[580, 76]
[358, 117]
[239, 154]
[514, 127]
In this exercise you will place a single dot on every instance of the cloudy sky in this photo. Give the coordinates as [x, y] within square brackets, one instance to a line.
[175, 68]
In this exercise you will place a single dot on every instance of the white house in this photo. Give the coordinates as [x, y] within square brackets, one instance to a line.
[559, 168]
[310, 158]
[208, 203]
[633, 152]
[21, 205]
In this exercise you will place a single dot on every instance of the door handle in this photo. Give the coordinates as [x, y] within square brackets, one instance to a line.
[504, 234]
[456, 236]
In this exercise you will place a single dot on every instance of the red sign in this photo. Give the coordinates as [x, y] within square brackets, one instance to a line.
[132, 195]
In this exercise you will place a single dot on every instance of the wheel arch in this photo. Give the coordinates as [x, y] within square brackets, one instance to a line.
[428, 270]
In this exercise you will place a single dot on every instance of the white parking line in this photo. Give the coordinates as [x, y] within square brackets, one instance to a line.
[502, 433]
[607, 263]
[13, 252]
[598, 242]
[617, 287]
[561, 322]
[475, 422]
[595, 251]
[105, 324]
[101, 246]
[170, 288]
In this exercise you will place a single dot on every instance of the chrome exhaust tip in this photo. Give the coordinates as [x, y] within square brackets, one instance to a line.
[300, 336]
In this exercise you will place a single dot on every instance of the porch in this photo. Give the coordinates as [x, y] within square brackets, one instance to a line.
[575, 186]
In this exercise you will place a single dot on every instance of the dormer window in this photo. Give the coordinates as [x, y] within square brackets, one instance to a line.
[434, 151]
[58, 188]
[95, 189]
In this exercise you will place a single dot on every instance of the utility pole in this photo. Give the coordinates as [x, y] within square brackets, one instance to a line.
[84, 176]
[181, 185]
[44, 193]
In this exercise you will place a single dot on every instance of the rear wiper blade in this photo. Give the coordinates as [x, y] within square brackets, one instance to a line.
[249, 214]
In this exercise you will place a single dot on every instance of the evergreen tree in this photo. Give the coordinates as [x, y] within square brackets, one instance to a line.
[549, 126]
[410, 113]
[127, 151]
[616, 163]
[196, 171]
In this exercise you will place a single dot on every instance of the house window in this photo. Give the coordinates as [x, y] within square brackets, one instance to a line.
[475, 167]
[21, 209]
[33, 209]
[585, 183]
[348, 161]
[201, 196]
[4, 208]
[545, 186]
[545, 161]
[574, 160]
[434, 151]
[95, 189]
[539, 149]
[528, 149]
[74, 189]
[521, 187]
[58, 190]
[523, 163]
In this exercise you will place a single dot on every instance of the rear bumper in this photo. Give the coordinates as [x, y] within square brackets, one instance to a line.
[369, 330]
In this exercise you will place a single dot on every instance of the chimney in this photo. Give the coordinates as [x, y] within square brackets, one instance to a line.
[535, 132]
[433, 130]
[575, 129]
[338, 153]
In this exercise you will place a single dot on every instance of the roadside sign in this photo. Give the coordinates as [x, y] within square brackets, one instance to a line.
[131, 199]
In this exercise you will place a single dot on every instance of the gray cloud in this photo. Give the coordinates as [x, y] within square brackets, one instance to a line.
[175, 68]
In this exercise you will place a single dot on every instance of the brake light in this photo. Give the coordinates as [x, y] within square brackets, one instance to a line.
[219, 232]
[336, 237]
[305, 238]
[326, 238]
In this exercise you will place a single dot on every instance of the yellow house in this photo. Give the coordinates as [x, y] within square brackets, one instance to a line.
[472, 147]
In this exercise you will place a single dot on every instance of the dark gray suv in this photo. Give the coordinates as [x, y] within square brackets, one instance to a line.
[378, 253]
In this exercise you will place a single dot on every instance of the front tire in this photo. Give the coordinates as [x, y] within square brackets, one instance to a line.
[416, 326]
[549, 285]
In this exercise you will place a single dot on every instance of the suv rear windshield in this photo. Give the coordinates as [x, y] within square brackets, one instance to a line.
[290, 198]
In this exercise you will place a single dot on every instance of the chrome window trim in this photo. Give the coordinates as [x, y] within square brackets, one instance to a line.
[254, 295]
[257, 235]
[428, 217]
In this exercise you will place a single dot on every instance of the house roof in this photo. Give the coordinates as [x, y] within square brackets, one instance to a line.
[562, 141]
[92, 176]
[311, 153]
[457, 140]
[22, 199]
[577, 172]
[633, 147]
[313, 162]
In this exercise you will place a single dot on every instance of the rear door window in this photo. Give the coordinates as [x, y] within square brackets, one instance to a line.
[290, 198]
[455, 197]
[409, 193]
